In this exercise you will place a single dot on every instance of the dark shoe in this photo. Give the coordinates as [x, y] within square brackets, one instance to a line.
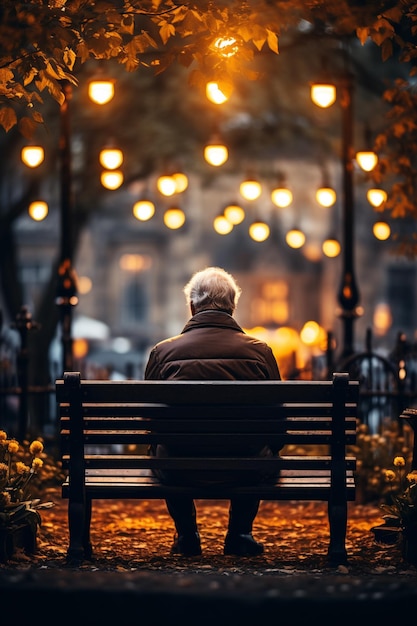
[187, 545]
[242, 545]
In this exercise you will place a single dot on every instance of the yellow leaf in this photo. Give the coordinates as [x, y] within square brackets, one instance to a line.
[362, 34]
[272, 39]
[69, 58]
[8, 118]
[258, 43]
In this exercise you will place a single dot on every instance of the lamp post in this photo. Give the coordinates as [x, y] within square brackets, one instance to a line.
[66, 289]
[348, 294]
[100, 91]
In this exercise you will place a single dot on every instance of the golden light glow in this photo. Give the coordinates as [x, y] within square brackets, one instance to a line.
[80, 348]
[366, 160]
[382, 318]
[84, 285]
[111, 179]
[221, 225]
[323, 95]
[32, 156]
[326, 196]
[250, 189]
[234, 213]
[111, 158]
[281, 197]
[310, 333]
[214, 93]
[174, 218]
[101, 91]
[216, 154]
[295, 238]
[381, 230]
[312, 251]
[226, 46]
[166, 185]
[181, 181]
[376, 197]
[259, 231]
[143, 210]
[135, 262]
[331, 248]
[38, 210]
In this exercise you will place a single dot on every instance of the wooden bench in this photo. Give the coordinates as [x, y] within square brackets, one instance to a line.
[106, 427]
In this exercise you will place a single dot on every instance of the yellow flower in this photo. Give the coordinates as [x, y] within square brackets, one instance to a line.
[36, 447]
[3, 436]
[36, 464]
[412, 476]
[399, 461]
[389, 475]
[21, 468]
[13, 446]
[3, 468]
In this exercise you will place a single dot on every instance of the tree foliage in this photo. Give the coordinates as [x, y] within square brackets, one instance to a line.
[43, 42]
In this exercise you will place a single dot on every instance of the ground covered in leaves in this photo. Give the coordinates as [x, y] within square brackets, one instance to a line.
[134, 578]
[135, 535]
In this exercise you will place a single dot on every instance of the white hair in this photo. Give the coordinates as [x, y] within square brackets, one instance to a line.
[212, 288]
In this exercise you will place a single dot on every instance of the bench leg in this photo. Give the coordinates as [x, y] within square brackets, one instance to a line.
[79, 517]
[337, 514]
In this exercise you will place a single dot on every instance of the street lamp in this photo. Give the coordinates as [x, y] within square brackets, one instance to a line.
[348, 295]
[66, 289]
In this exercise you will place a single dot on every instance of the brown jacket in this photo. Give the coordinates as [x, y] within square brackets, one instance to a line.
[212, 346]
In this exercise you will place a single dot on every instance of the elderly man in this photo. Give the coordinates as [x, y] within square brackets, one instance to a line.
[211, 346]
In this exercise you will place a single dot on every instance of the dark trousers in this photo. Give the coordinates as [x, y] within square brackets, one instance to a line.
[242, 512]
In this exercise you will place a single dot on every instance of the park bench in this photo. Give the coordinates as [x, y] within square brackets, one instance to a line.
[106, 427]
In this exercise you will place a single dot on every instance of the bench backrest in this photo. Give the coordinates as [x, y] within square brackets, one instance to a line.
[108, 424]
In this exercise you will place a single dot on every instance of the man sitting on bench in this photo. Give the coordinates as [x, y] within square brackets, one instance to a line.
[211, 346]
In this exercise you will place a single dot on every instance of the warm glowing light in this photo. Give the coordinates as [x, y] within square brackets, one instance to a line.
[214, 93]
[259, 231]
[80, 348]
[381, 230]
[111, 179]
[367, 160]
[174, 218]
[382, 318]
[295, 238]
[135, 262]
[216, 154]
[376, 197]
[250, 189]
[38, 210]
[281, 197]
[310, 333]
[226, 46]
[222, 226]
[32, 156]
[143, 210]
[111, 158]
[84, 285]
[166, 185]
[101, 91]
[312, 251]
[331, 248]
[234, 213]
[323, 95]
[181, 181]
[326, 196]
